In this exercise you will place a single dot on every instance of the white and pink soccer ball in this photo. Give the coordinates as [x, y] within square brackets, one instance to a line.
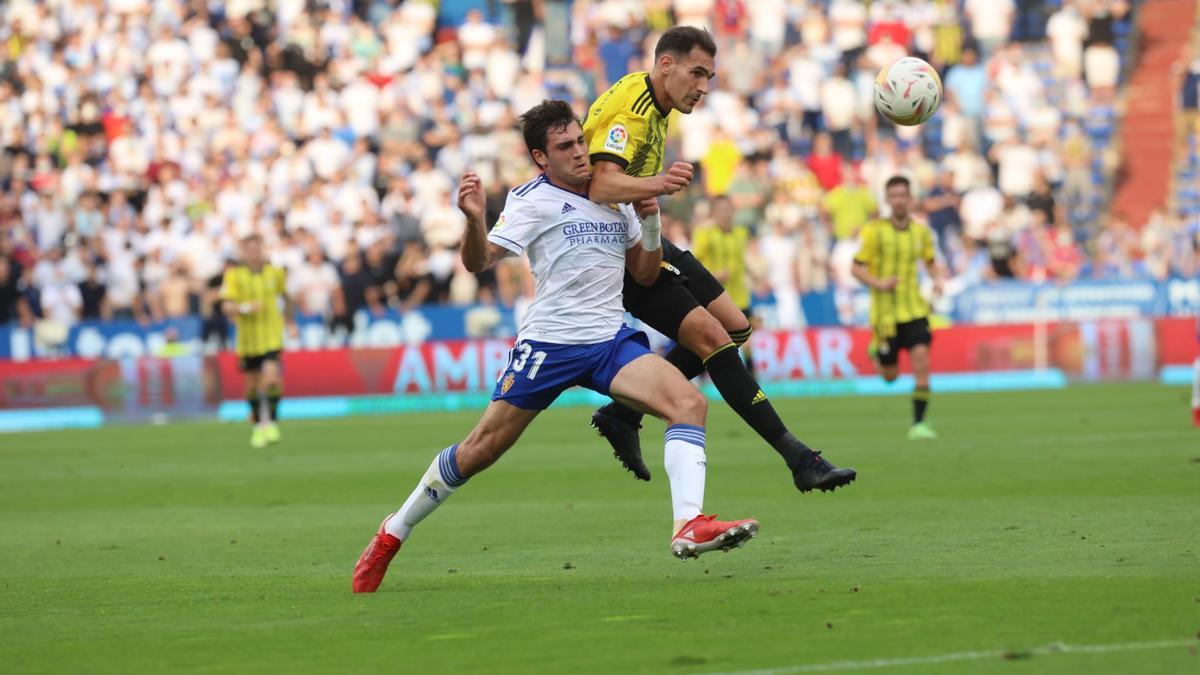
[908, 91]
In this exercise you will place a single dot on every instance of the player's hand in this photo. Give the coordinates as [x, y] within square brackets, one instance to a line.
[293, 330]
[888, 284]
[646, 207]
[939, 287]
[678, 177]
[470, 197]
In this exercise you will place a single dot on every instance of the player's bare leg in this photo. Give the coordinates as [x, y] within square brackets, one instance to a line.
[651, 384]
[702, 332]
[735, 323]
[272, 386]
[499, 428]
[919, 355]
[1196, 392]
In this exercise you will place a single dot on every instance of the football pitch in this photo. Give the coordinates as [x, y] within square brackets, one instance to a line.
[1049, 532]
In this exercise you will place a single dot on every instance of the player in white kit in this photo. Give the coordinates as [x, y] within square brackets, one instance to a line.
[572, 334]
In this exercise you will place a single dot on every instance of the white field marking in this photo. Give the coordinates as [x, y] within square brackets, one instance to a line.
[1057, 648]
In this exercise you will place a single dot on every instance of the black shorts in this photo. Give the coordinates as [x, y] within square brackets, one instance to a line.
[254, 364]
[908, 335]
[683, 285]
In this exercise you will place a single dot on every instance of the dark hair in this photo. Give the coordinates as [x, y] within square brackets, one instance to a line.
[541, 119]
[681, 40]
[898, 180]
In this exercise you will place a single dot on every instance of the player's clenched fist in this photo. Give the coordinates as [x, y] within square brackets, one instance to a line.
[677, 177]
[646, 207]
[470, 197]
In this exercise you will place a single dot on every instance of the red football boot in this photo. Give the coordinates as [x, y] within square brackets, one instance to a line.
[705, 533]
[373, 562]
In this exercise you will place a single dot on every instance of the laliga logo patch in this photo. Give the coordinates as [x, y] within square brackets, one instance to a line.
[499, 222]
[617, 139]
[508, 383]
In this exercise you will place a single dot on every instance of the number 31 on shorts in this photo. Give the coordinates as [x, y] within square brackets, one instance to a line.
[520, 357]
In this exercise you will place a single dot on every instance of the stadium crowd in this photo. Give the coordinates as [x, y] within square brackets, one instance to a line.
[142, 139]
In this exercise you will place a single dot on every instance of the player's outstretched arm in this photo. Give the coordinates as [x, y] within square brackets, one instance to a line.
[231, 303]
[610, 184]
[864, 276]
[478, 253]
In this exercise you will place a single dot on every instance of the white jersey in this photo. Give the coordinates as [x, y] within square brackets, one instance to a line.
[576, 249]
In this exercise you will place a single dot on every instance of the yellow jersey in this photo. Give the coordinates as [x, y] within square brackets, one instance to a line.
[260, 331]
[724, 254]
[628, 126]
[888, 251]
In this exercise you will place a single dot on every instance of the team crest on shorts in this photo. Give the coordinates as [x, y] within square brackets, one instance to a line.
[507, 383]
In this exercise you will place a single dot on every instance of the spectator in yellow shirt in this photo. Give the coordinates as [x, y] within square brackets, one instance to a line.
[720, 164]
[849, 206]
[721, 247]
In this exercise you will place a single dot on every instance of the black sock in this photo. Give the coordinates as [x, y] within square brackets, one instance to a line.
[273, 397]
[740, 337]
[255, 407]
[741, 392]
[920, 403]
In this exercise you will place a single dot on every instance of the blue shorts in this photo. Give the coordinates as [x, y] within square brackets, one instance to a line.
[537, 372]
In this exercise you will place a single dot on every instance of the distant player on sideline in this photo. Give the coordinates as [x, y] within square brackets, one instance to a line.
[572, 334]
[251, 294]
[886, 262]
[626, 128]
[1196, 383]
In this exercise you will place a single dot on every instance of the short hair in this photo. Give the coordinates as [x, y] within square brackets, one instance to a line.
[898, 180]
[681, 40]
[252, 238]
[541, 119]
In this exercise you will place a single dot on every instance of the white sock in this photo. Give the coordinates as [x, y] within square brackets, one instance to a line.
[683, 457]
[1196, 383]
[439, 482]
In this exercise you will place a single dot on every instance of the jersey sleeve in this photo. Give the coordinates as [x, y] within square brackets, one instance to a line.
[617, 137]
[927, 251]
[634, 234]
[517, 226]
[281, 277]
[230, 289]
[867, 245]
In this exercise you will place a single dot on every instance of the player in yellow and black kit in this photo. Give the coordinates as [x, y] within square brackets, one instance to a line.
[889, 253]
[251, 295]
[626, 129]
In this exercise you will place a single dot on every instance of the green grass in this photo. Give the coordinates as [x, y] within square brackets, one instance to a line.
[1065, 516]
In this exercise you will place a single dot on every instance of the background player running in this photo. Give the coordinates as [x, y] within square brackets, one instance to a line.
[626, 128]
[572, 334]
[251, 295]
[886, 262]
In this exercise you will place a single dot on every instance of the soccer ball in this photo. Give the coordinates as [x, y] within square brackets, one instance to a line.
[908, 92]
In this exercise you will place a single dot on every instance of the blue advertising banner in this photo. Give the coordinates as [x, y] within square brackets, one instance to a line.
[1017, 302]
[124, 339]
[996, 303]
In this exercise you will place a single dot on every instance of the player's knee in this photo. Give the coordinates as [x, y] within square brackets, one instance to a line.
[688, 406]
[701, 333]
